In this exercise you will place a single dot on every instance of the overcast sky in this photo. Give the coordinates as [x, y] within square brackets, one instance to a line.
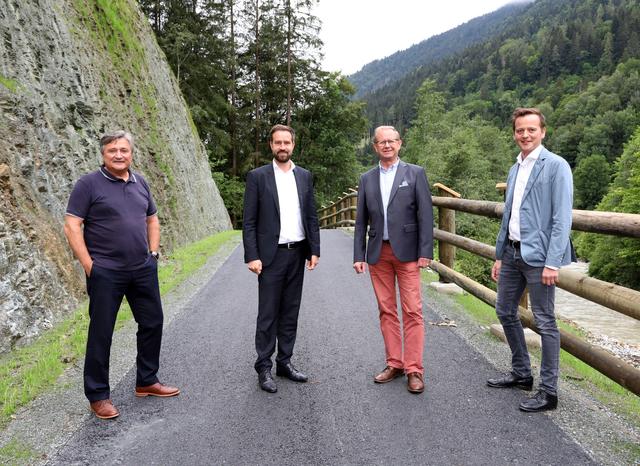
[356, 32]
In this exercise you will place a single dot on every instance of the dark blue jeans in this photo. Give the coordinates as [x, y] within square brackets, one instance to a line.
[106, 288]
[515, 275]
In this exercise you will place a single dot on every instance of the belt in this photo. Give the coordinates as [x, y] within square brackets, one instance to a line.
[294, 245]
[514, 244]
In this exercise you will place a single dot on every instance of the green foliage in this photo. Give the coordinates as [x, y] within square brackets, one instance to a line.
[246, 65]
[466, 154]
[590, 181]
[9, 83]
[232, 192]
[17, 453]
[327, 132]
[616, 259]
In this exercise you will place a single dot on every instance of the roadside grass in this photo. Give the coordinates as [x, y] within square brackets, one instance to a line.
[611, 394]
[15, 452]
[28, 371]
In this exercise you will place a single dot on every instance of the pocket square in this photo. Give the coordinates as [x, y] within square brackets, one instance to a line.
[403, 184]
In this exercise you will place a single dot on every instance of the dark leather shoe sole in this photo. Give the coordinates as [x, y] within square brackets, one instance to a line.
[415, 390]
[399, 373]
[268, 389]
[161, 395]
[521, 386]
[547, 407]
[295, 378]
[508, 381]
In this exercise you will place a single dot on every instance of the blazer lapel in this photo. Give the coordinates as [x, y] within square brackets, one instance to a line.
[537, 168]
[271, 185]
[375, 175]
[300, 187]
[400, 171]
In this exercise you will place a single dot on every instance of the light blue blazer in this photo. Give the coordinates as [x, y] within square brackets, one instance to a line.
[545, 212]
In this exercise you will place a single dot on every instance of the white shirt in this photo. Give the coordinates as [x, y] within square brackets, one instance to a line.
[524, 171]
[387, 176]
[291, 229]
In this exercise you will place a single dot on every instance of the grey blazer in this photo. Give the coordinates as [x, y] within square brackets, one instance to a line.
[545, 212]
[409, 216]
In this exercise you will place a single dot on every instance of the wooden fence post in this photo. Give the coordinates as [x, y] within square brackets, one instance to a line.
[446, 222]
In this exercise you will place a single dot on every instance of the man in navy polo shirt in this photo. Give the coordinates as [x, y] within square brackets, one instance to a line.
[112, 227]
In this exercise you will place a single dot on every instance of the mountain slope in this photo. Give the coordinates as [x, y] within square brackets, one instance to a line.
[385, 71]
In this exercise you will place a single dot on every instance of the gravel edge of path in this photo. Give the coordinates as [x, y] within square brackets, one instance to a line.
[48, 422]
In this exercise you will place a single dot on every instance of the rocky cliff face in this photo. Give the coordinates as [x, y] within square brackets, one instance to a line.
[69, 71]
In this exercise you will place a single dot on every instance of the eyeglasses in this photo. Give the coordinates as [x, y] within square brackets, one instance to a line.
[391, 142]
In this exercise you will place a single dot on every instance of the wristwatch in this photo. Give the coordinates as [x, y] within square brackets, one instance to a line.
[155, 254]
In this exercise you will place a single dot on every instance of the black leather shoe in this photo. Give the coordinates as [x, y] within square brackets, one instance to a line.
[291, 373]
[541, 401]
[511, 380]
[266, 382]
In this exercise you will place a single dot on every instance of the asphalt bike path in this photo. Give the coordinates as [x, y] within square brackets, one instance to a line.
[340, 417]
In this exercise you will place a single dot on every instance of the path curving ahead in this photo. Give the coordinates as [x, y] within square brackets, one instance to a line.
[340, 417]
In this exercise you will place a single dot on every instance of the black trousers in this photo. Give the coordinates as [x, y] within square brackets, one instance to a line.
[106, 288]
[279, 295]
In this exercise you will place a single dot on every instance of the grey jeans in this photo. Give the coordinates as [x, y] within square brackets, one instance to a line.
[515, 275]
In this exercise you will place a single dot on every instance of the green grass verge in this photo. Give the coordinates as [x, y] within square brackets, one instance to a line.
[26, 372]
[15, 453]
[611, 394]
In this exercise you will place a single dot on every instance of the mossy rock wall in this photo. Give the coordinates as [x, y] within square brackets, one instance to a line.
[69, 71]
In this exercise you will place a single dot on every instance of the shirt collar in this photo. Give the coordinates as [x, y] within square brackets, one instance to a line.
[391, 168]
[276, 167]
[534, 155]
[110, 177]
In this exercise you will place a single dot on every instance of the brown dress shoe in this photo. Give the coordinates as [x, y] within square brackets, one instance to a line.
[415, 382]
[104, 409]
[388, 374]
[157, 389]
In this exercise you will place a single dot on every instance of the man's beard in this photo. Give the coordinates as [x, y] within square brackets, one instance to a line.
[283, 157]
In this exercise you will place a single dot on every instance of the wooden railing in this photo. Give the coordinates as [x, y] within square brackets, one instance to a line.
[340, 213]
[623, 300]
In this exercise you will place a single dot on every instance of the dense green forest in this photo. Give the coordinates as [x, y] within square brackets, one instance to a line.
[246, 65]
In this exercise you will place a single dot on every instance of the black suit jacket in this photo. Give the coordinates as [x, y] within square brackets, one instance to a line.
[261, 223]
[409, 216]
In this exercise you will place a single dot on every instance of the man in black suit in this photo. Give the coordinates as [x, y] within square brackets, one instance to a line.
[394, 204]
[280, 230]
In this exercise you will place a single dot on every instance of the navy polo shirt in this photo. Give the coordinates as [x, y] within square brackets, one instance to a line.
[115, 218]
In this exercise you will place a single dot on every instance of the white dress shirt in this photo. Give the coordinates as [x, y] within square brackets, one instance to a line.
[291, 229]
[387, 176]
[524, 171]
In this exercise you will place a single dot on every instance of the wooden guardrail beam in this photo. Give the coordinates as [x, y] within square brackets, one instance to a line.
[618, 298]
[603, 361]
[609, 223]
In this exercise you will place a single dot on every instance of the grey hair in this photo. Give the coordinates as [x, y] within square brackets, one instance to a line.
[108, 138]
[380, 128]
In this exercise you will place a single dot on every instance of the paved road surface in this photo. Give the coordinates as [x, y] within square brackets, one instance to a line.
[340, 416]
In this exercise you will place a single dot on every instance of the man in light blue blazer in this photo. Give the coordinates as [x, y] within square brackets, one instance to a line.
[533, 243]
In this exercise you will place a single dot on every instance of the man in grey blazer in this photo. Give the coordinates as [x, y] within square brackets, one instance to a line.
[533, 243]
[394, 202]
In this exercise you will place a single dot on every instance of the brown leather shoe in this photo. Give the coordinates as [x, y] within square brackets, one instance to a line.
[157, 389]
[388, 374]
[104, 409]
[415, 383]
